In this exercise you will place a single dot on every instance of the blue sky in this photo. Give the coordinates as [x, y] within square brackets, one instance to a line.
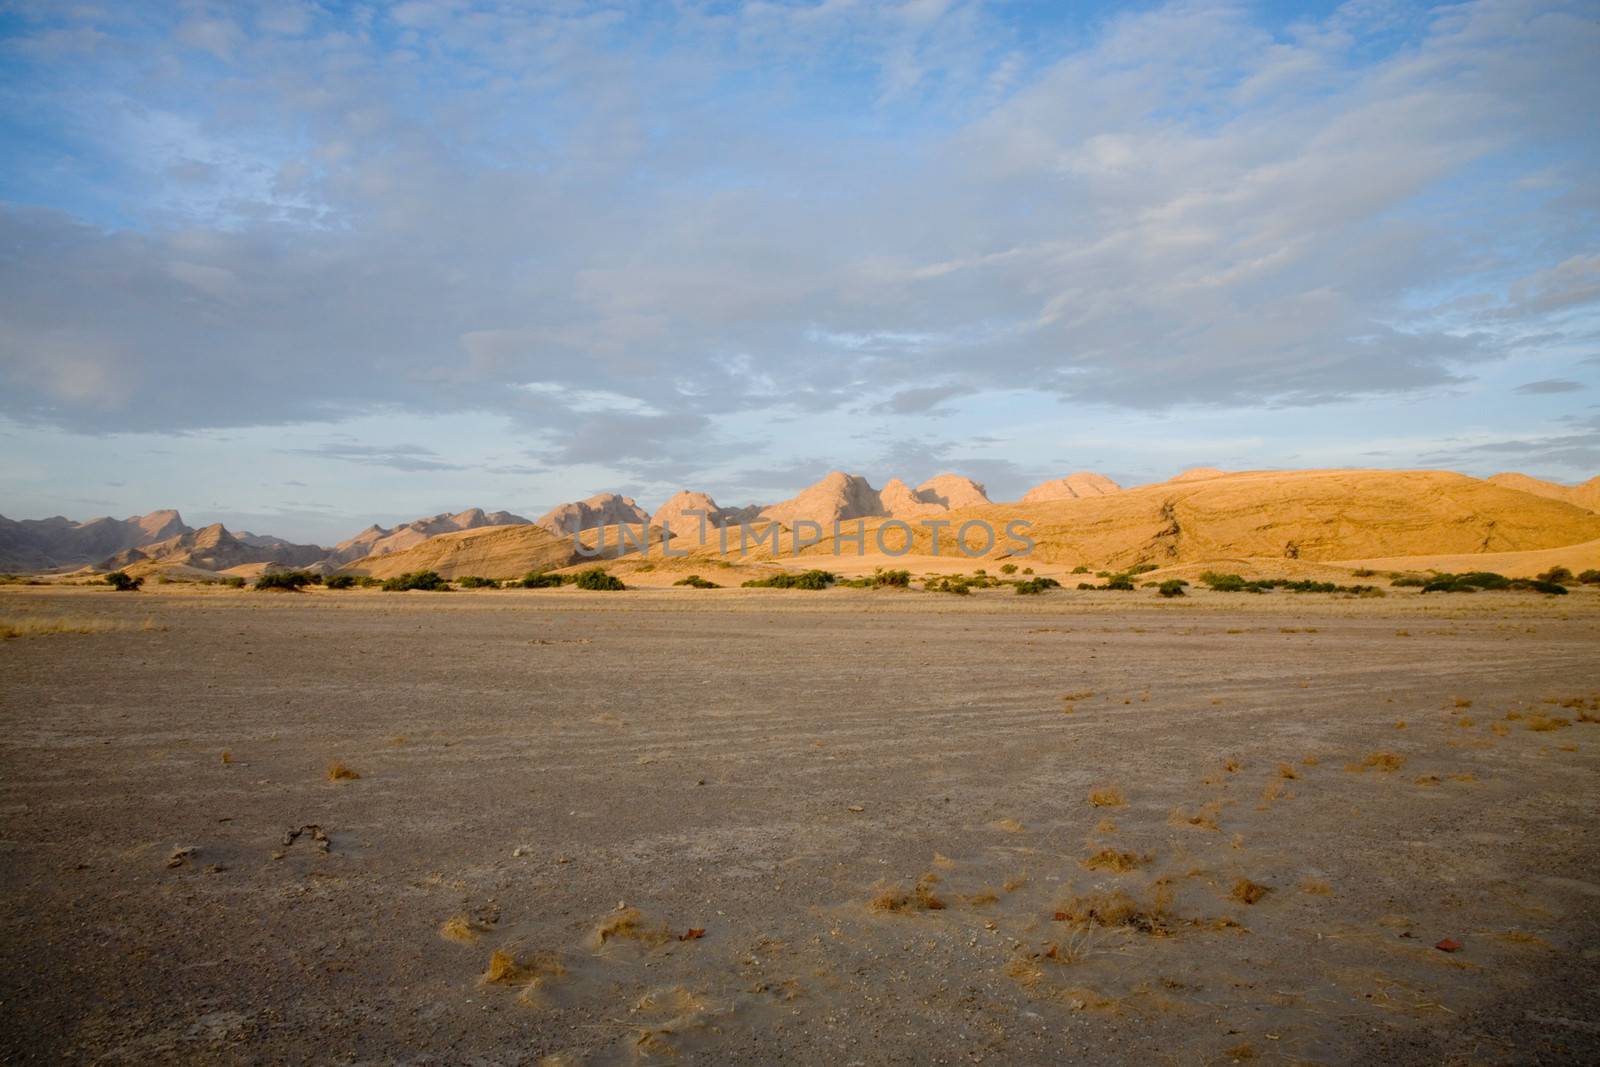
[301, 266]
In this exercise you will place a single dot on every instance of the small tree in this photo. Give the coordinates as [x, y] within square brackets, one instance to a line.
[597, 578]
[123, 583]
[340, 581]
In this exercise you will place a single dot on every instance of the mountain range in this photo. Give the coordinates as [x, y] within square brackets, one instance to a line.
[1086, 515]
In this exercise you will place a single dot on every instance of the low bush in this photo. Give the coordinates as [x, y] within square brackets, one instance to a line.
[948, 584]
[473, 581]
[812, 579]
[698, 582]
[1408, 581]
[1556, 575]
[1035, 586]
[1121, 582]
[598, 579]
[122, 582]
[1080, 569]
[1172, 587]
[1143, 568]
[1589, 577]
[427, 581]
[540, 580]
[340, 581]
[1008, 568]
[293, 581]
[881, 579]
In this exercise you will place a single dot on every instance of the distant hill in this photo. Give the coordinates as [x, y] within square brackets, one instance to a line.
[211, 548]
[1312, 515]
[45, 544]
[602, 509]
[1584, 494]
[489, 552]
[376, 541]
[1072, 487]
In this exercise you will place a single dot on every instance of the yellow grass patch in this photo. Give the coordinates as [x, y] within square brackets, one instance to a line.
[1106, 797]
[1546, 723]
[462, 930]
[1286, 771]
[1315, 887]
[338, 772]
[1386, 762]
[627, 924]
[1115, 861]
[1202, 818]
[1010, 826]
[1247, 892]
[896, 900]
[41, 626]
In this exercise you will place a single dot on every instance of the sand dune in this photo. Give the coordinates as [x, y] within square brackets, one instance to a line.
[490, 552]
[1584, 494]
[1312, 515]
[1072, 487]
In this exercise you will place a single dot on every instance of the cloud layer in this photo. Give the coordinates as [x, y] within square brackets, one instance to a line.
[638, 233]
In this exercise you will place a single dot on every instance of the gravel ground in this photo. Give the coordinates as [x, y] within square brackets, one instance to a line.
[876, 806]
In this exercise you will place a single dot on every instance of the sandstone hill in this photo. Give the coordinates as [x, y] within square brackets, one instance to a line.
[841, 496]
[211, 548]
[489, 552]
[1072, 487]
[602, 509]
[1311, 515]
[44, 544]
[377, 541]
[1584, 494]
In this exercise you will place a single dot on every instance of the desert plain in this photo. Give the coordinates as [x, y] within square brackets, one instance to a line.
[768, 826]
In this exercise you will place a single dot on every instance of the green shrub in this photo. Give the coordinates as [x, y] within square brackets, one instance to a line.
[293, 581]
[1222, 583]
[1027, 570]
[698, 582]
[1122, 582]
[1589, 577]
[428, 581]
[812, 579]
[1172, 587]
[1556, 575]
[1408, 581]
[1008, 568]
[473, 581]
[1143, 568]
[122, 583]
[1362, 572]
[1540, 585]
[948, 583]
[597, 579]
[1035, 586]
[880, 579]
[540, 580]
[340, 581]
[1080, 569]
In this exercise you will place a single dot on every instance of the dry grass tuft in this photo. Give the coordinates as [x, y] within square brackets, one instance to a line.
[1231, 766]
[1463, 702]
[1202, 818]
[1315, 887]
[41, 626]
[506, 969]
[1546, 723]
[895, 900]
[1105, 826]
[1427, 779]
[1465, 722]
[227, 757]
[1107, 797]
[1247, 892]
[1010, 826]
[1310, 761]
[1499, 729]
[1400, 724]
[1118, 909]
[338, 772]
[1115, 861]
[1286, 771]
[627, 924]
[1386, 762]
[462, 930]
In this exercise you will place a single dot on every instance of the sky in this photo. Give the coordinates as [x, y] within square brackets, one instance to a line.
[302, 266]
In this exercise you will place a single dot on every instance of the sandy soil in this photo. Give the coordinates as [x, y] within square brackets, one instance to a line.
[580, 781]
